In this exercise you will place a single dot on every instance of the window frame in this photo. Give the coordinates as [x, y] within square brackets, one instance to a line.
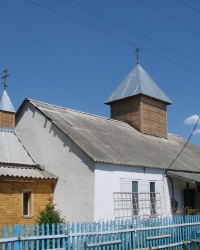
[135, 196]
[152, 198]
[29, 203]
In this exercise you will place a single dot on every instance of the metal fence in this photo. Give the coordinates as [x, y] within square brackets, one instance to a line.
[154, 233]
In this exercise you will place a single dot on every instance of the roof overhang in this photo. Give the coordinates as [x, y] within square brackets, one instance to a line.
[188, 177]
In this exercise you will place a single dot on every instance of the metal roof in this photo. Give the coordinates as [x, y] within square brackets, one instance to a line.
[190, 177]
[25, 172]
[138, 82]
[114, 142]
[5, 103]
[12, 150]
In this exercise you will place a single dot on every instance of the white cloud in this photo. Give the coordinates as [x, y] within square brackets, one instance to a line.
[197, 131]
[192, 120]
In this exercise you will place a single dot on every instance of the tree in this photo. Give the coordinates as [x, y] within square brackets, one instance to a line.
[50, 214]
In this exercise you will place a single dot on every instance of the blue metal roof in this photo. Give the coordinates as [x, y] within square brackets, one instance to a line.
[5, 103]
[138, 82]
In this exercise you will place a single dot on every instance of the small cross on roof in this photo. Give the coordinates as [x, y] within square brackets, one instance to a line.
[137, 55]
[4, 78]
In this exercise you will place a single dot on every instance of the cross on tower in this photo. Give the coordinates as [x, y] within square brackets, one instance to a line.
[4, 77]
[137, 55]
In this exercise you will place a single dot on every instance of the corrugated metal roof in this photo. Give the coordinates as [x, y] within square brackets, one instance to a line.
[185, 176]
[25, 172]
[138, 82]
[5, 103]
[12, 150]
[110, 141]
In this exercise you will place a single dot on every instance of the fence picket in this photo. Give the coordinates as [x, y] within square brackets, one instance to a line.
[82, 237]
[9, 236]
[37, 234]
[26, 235]
[53, 232]
[47, 233]
[73, 237]
[42, 229]
[95, 237]
[32, 234]
[69, 238]
[87, 236]
[17, 234]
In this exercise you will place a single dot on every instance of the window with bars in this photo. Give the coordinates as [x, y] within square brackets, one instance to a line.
[128, 205]
[135, 197]
[152, 197]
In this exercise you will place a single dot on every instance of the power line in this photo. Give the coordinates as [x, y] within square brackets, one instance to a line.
[129, 29]
[111, 34]
[184, 145]
[172, 19]
[108, 33]
[189, 6]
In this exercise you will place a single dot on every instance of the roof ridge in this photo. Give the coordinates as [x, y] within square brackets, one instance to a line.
[77, 111]
[176, 135]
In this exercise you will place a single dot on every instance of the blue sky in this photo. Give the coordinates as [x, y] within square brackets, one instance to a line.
[74, 53]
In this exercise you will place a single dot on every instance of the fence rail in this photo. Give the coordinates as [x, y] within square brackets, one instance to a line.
[154, 233]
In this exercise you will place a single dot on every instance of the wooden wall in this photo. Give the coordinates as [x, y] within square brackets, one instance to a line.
[7, 119]
[11, 208]
[153, 117]
[127, 110]
[145, 114]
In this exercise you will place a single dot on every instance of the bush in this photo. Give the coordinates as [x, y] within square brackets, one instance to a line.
[50, 214]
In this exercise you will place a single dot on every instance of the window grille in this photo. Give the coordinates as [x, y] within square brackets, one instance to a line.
[136, 205]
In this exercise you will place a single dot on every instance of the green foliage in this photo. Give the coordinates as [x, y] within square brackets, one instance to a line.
[50, 214]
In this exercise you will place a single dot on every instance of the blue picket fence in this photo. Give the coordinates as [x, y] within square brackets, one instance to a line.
[156, 233]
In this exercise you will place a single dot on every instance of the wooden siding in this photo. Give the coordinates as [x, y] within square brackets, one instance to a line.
[125, 185]
[7, 119]
[127, 110]
[145, 114]
[11, 200]
[153, 118]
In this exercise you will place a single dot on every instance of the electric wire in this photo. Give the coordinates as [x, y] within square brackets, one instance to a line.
[128, 29]
[189, 6]
[111, 34]
[171, 18]
[184, 145]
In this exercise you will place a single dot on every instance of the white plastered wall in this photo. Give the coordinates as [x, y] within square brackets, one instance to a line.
[74, 191]
[107, 181]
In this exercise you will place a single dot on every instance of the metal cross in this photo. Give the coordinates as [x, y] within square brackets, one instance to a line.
[4, 77]
[137, 52]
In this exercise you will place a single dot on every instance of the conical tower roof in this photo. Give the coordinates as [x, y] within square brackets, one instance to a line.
[138, 82]
[5, 103]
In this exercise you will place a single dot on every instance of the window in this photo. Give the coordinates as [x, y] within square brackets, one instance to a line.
[26, 204]
[135, 197]
[190, 198]
[153, 197]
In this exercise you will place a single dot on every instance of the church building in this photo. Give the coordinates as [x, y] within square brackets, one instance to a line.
[117, 167]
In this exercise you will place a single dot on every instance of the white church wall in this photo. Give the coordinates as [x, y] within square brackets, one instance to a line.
[115, 178]
[49, 146]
